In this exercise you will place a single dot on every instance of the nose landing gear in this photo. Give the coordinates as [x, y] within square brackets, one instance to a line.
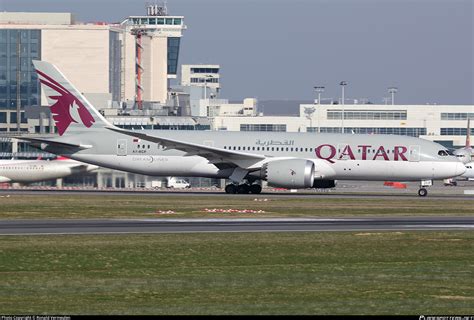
[422, 192]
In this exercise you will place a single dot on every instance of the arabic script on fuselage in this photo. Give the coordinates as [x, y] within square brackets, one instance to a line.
[266, 143]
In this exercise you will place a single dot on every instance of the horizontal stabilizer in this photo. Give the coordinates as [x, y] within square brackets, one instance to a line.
[38, 141]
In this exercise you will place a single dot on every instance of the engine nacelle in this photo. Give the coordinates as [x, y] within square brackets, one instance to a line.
[291, 173]
[324, 184]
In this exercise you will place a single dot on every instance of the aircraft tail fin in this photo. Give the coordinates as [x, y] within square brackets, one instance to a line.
[71, 110]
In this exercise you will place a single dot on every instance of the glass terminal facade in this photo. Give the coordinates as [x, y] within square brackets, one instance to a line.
[413, 132]
[202, 80]
[205, 70]
[164, 127]
[263, 127]
[457, 116]
[17, 49]
[157, 21]
[368, 115]
[455, 131]
[115, 59]
[173, 54]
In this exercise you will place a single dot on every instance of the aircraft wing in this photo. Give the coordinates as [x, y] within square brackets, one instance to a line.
[219, 157]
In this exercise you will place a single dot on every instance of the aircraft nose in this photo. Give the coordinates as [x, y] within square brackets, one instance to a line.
[460, 169]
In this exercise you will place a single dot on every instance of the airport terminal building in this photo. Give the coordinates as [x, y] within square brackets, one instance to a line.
[113, 64]
[445, 124]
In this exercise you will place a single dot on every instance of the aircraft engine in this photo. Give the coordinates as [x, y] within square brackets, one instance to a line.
[292, 173]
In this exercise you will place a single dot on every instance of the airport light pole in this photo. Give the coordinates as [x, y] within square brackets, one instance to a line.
[343, 84]
[392, 91]
[319, 90]
[309, 115]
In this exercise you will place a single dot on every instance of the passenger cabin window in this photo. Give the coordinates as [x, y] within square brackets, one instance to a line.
[442, 153]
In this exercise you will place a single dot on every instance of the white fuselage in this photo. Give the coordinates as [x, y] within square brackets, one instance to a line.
[26, 171]
[196, 166]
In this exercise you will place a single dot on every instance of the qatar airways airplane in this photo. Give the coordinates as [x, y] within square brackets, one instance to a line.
[287, 160]
[27, 171]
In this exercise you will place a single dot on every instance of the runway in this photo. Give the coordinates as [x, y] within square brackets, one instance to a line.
[287, 194]
[119, 226]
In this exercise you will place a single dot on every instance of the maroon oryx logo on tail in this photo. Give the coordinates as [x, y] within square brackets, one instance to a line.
[67, 108]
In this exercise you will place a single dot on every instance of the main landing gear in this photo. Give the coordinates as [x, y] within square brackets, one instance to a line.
[243, 188]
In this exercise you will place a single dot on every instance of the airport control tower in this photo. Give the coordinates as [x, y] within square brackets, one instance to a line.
[151, 50]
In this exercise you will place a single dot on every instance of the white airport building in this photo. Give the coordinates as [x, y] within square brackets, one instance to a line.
[446, 124]
[202, 75]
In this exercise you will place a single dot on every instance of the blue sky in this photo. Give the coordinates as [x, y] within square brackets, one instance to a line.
[274, 49]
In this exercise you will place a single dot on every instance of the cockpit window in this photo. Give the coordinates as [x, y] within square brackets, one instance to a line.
[442, 153]
[450, 152]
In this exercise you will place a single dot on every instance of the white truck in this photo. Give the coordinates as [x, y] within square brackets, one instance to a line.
[177, 183]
